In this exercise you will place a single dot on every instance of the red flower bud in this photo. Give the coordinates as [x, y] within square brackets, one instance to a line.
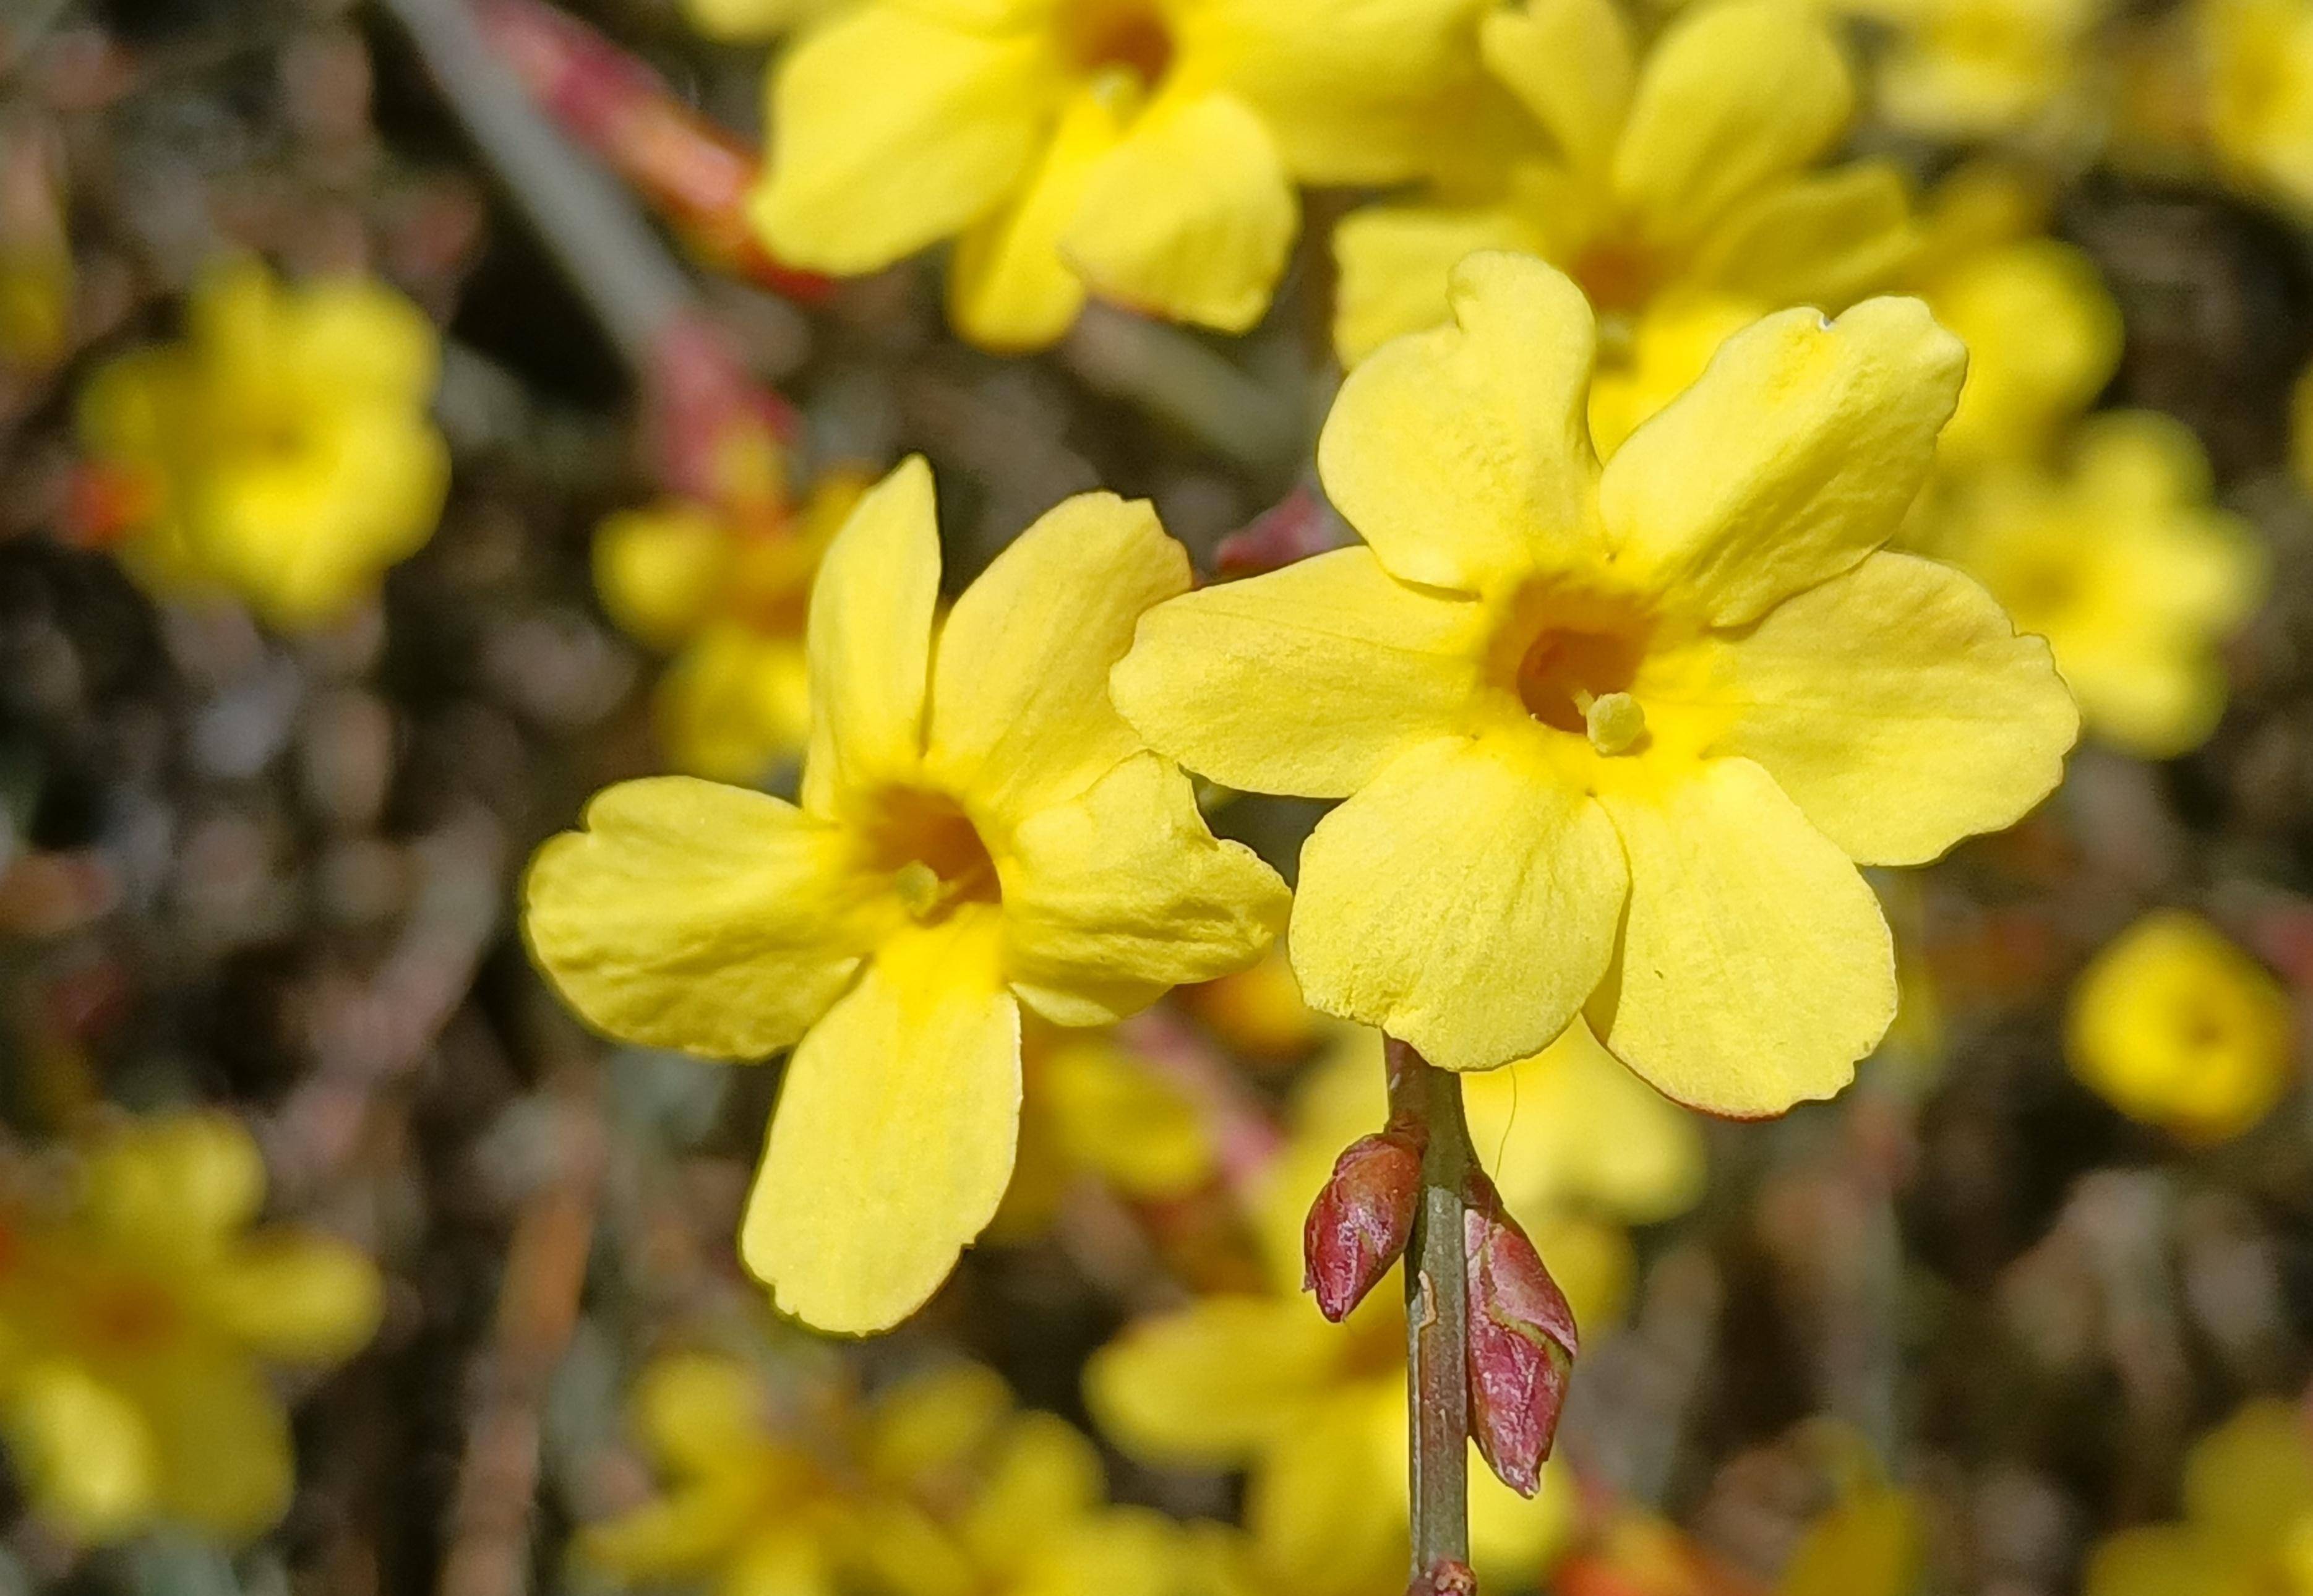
[1522, 1343]
[1359, 1223]
[1445, 1577]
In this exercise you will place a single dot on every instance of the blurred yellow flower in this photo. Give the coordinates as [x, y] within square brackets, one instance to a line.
[1145, 151]
[2255, 57]
[135, 1317]
[1675, 190]
[728, 599]
[1628, 732]
[2043, 335]
[2117, 557]
[2248, 1528]
[744, 1502]
[2175, 1026]
[978, 831]
[1258, 1012]
[1985, 69]
[281, 451]
[1090, 1104]
[1315, 1412]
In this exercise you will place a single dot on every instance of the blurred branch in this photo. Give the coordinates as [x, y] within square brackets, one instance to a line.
[601, 243]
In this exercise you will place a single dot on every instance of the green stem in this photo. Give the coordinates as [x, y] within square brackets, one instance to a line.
[1437, 1314]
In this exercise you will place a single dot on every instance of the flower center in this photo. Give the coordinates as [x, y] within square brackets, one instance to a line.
[1617, 273]
[129, 1317]
[1579, 681]
[1101, 35]
[933, 853]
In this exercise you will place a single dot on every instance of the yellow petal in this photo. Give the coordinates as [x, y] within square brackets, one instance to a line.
[660, 570]
[1671, 342]
[699, 1409]
[1009, 288]
[1189, 217]
[1756, 968]
[782, 1562]
[869, 641]
[1570, 62]
[1794, 455]
[221, 1445]
[2164, 1560]
[1361, 93]
[368, 339]
[1117, 1551]
[302, 1298]
[892, 1140]
[1464, 902]
[2043, 338]
[1731, 97]
[1391, 262]
[1045, 1475]
[2249, 1481]
[1328, 1498]
[1116, 897]
[82, 1450]
[690, 1532]
[1021, 716]
[858, 180]
[1210, 1385]
[1115, 1114]
[1571, 1128]
[736, 705]
[1304, 680]
[1897, 706]
[688, 914]
[174, 1186]
[1460, 454]
[1822, 238]
[935, 1422]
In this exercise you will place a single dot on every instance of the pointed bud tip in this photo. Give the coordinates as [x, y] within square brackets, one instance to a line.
[1359, 1223]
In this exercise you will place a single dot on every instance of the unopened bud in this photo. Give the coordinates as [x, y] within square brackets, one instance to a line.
[1445, 1577]
[1522, 1343]
[1359, 1225]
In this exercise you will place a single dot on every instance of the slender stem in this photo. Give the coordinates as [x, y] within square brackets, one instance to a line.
[1437, 1314]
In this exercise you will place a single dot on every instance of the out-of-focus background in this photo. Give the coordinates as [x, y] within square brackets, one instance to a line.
[337, 1256]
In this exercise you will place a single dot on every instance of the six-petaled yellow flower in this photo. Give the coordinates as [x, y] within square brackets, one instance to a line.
[978, 831]
[281, 452]
[2117, 557]
[2174, 1025]
[1144, 151]
[1677, 189]
[1616, 741]
[136, 1313]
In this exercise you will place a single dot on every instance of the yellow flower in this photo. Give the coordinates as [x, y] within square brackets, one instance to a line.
[1676, 191]
[2119, 560]
[1626, 732]
[744, 1501]
[2043, 335]
[2175, 1026]
[2256, 58]
[1315, 1412]
[1980, 69]
[282, 446]
[1143, 150]
[1089, 1104]
[987, 1500]
[135, 1320]
[978, 831]
[728, 598]
[1258, 1013]
[2249, 1517]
